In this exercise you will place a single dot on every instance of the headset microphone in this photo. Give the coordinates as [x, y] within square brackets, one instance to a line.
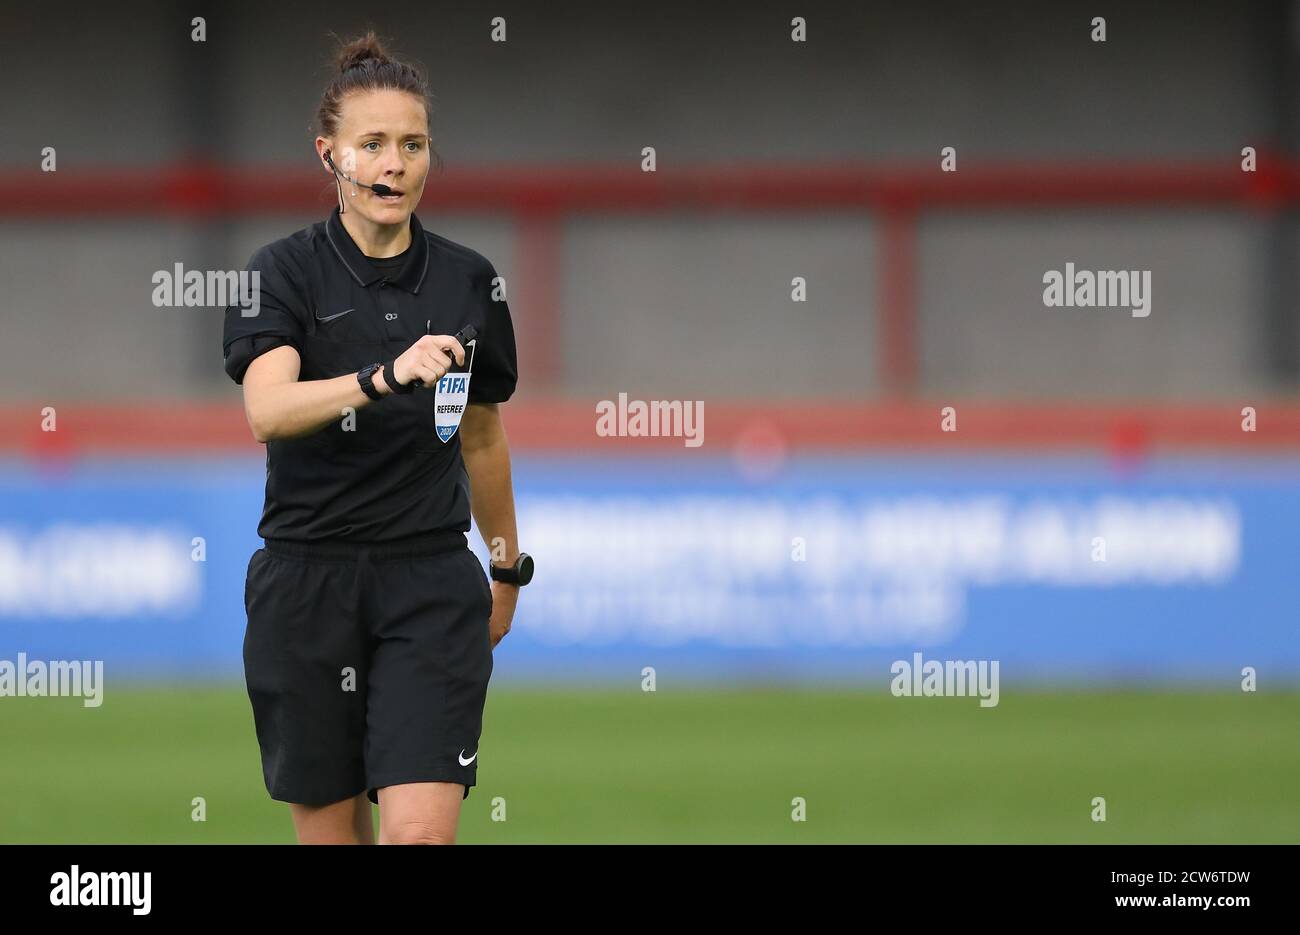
[378, 188]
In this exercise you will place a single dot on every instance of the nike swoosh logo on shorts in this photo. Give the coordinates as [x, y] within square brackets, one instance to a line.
[465, 762]
[332, 317]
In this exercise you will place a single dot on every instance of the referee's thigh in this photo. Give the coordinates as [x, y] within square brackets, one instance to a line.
[430, 664]
[306, 658]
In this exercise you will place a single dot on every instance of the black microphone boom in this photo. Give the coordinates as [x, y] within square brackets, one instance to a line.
[378, 188]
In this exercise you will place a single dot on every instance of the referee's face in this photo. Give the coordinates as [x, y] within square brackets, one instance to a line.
[384, 136]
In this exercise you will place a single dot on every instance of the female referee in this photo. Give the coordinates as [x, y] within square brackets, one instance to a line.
[371, 625]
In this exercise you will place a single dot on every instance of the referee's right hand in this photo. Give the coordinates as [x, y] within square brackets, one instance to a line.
[428, 359]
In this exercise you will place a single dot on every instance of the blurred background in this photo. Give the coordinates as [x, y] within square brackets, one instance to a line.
[1112, 519]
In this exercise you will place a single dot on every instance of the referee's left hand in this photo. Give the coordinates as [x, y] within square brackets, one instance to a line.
[504, 598]
[428, 359]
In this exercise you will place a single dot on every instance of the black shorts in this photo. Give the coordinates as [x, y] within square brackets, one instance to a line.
[366, 666]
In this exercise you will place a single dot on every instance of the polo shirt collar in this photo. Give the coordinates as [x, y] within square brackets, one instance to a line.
[410, 277]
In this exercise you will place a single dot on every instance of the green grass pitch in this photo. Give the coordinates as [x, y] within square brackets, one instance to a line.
[703, 765]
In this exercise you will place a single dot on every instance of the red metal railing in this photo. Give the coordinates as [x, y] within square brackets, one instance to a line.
[540, 198]
[816, 424]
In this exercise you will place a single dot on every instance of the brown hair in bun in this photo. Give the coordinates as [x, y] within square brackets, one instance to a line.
[363, 64]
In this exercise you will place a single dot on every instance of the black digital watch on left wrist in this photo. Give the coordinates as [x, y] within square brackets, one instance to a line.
[366, 377]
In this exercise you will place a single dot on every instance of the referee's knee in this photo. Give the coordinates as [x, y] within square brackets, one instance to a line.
[415, 831]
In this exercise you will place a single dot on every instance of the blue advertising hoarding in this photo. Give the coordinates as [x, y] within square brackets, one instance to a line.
[825, 570]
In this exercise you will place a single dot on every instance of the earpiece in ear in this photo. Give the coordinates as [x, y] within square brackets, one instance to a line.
[338, 185]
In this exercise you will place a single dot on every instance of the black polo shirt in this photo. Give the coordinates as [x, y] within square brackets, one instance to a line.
[389, 476]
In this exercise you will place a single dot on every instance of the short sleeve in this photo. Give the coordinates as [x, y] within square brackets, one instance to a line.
[269, 315]
[496, 370]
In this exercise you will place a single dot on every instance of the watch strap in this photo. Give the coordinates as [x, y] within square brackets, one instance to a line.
[399, 388]
[366, 377]
[513, 574]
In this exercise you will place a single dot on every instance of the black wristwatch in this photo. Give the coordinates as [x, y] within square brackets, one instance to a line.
[520, 573]
[366, 377]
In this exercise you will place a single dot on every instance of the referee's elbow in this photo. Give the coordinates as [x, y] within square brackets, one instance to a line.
[258, 425]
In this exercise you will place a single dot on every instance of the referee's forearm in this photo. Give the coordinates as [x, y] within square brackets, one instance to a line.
[292, 410]
[492, 498]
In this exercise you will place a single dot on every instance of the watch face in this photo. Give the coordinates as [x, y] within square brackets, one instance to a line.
[520, 573]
